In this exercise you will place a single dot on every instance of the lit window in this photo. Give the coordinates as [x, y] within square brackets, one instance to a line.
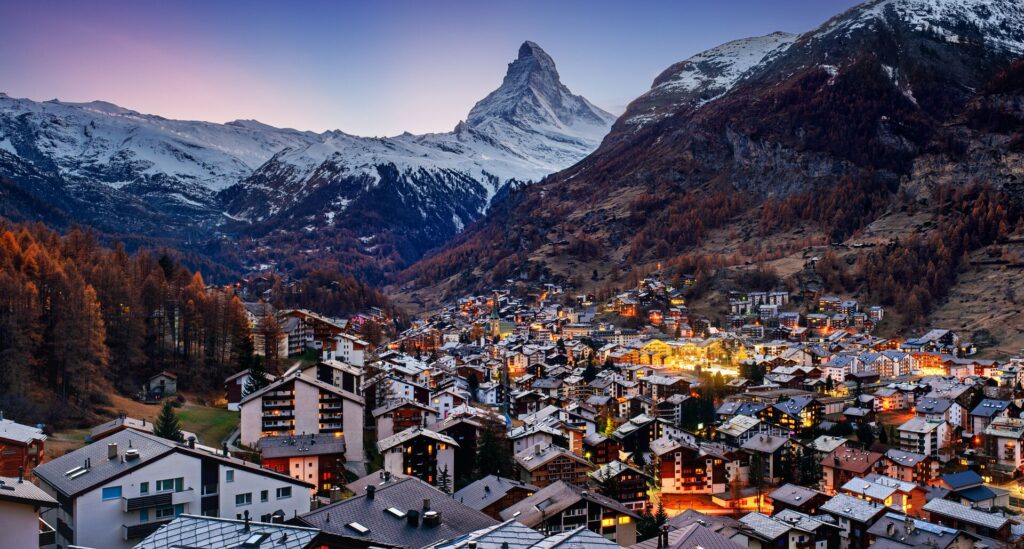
[608, 522]
[624, 519]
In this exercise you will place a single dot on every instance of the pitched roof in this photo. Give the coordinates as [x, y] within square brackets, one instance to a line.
[555, 498]
[392, 527]
[483, 492]
[964, 513]
[691, 536]
[16, 432]
[764, 527]
[531, 459]
[793, 494]
[297, 377]
[68, 475]
[509, 532]
[411, 433]
[222, 533]
[23, 491]
[851, 459]
[849, 507]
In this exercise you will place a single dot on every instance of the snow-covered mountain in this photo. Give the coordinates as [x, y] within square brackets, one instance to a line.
[126, 172]
[529, 127]
[704, 77]
[414, 192]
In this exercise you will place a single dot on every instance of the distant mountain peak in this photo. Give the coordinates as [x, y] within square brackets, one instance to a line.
[533, 98]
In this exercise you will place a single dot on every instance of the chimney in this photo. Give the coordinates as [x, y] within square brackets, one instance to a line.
[224, 447]
[536, 448]
[432, 519]
[21, 474]
[413, 517]
[426, 504]
[112, 450]
[335, 494]
[192, 442]
[246, 529]
[471, 544]
[370, 491]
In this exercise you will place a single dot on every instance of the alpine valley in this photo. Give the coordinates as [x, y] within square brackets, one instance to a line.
[886, 144]
[246, 193]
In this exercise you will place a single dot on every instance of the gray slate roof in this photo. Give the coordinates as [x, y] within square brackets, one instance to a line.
[964, 513]
[64, 473]
[385, 528]
[301, 445]
[693, 535]
[16, 432]
[56, 471]
[220, 533]
[553, 499]
[483, 492]
[24, 492]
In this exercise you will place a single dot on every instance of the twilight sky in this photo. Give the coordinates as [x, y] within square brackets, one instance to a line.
[368, 68]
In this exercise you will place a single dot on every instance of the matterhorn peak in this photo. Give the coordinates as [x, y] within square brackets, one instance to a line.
[533, 98]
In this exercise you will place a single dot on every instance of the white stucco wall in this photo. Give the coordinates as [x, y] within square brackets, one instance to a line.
[19, 525]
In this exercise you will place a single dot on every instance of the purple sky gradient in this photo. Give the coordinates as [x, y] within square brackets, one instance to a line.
[367, 68]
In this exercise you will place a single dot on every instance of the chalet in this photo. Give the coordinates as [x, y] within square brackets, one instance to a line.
[794, 415]
[673, 408]
[629, 482]
[399, 415]
[420, 453]
[464, 429]
[910, 466]
[492, 494]
[563, 506]
[884, 491]
[854, 517]
[989, 409]
[770, 448]
[968, 488]
[542, 466]
[797, 498]
[161, 385]
[956, 515]
[21, 447]
[300, 405]
[790, 528]
[738, 429]
[637, 434]
[599, 449]
[896, 530]
[846, 463]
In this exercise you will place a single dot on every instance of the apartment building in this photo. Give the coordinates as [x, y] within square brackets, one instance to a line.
[301, 405]
[115, 492]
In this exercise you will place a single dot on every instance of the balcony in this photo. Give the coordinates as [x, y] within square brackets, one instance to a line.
[47, 535]
[162, 499]
[145, 502]
[139, 531]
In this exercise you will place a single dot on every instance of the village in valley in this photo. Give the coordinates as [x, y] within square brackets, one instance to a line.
[534, 416]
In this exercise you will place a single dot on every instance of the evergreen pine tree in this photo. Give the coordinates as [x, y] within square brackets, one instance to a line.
[257, 378]
[167, 425]
[444, 480]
